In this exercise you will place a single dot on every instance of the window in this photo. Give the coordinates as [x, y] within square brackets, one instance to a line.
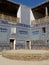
[13, 30]
[43, 30]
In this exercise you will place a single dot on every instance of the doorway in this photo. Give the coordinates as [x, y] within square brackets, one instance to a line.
[28, 45]
[11, 44]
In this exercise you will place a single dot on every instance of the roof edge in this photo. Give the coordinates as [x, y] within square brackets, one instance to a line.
[40, 4]
[13, 2]
[18, 3]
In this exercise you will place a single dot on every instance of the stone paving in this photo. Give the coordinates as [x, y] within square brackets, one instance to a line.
[26, 55]
[5, 61]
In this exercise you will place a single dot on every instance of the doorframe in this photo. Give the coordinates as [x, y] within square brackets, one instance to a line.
[29, 45]
[14, 41]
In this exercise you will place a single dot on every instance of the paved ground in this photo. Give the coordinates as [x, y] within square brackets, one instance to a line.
[5, 61]
[26, 55]
[28, 51]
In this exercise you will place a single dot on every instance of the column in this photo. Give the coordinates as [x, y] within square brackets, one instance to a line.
[30, 45]
[46, 11]
[14, 44]
[2, 16]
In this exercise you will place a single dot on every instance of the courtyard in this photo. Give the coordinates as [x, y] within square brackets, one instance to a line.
[7, 61]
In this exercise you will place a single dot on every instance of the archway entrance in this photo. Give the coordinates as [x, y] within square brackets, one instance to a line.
[12, 44]
[28, 45]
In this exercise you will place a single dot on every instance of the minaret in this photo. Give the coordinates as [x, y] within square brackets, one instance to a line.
[25, 15]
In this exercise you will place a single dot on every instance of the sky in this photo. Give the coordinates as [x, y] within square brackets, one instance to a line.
[29, 3]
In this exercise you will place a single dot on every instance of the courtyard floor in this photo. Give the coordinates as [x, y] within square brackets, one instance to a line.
[5, 61]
